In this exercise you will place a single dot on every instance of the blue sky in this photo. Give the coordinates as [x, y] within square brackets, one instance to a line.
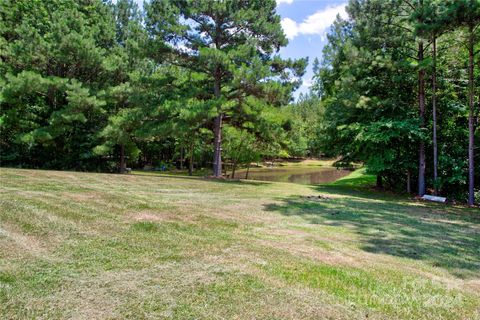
[306, 23]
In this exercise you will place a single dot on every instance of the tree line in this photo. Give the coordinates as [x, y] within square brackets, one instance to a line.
[398, 85]
[97, 85]
[101, 85]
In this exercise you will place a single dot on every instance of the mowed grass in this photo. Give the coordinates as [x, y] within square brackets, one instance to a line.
[104, 246]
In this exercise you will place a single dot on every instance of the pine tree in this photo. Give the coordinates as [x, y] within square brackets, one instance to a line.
[124, 59]
[233, 43]
[53, 55]
[468, 15]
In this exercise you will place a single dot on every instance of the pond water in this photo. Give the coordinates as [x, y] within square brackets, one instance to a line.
[302, 175]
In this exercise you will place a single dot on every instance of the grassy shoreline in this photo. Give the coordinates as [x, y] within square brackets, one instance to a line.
[86, 245]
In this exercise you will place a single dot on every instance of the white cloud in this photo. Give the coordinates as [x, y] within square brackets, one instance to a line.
[279, 2]
[307, 83]
[316, 24]
[290, 27]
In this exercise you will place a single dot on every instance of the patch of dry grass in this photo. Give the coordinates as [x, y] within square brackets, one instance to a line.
[85, 245]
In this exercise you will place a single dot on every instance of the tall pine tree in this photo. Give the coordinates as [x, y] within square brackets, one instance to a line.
[233, 43]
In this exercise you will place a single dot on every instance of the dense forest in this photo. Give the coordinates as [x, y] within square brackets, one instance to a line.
[100, 86]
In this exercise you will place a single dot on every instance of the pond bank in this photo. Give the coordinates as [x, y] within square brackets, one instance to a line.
[309, 171]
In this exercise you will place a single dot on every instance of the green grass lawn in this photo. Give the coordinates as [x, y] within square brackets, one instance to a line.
[140, 246]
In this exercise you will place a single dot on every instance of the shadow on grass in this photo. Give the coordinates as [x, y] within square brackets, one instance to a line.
[239, 182]
[444, 236]
[199, 178]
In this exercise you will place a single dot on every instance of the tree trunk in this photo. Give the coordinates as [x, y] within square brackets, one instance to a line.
[248, 170]
[409, 185]
[379, 182]
[122, 158]
[471, 126]
[190, 164]
[434, 111]
[181, 158]
[217, 156]
[421, 106]
[234, 167]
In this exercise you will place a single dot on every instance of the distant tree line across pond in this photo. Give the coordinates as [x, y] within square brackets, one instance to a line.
[99, 86]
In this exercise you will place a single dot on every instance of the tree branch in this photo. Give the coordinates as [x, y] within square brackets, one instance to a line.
[409, 4]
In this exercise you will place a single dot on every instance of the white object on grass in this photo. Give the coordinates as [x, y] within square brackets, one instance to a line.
[434, 198]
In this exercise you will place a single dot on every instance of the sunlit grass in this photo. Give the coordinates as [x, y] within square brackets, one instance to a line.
[84, 245]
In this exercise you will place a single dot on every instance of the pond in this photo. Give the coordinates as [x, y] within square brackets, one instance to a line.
[302, 175]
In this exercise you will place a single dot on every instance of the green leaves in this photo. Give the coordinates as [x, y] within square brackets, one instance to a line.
[231, 43]
[368, 83]
[240, 145]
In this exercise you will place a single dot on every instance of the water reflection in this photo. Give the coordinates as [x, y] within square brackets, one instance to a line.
[315, 175]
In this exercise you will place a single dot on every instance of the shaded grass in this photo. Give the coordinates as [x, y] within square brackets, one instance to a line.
[80, 245]
[399, 230]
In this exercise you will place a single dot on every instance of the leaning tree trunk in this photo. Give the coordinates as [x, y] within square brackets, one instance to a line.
[434, 111]
[248, 170]
[217, 156]
[421, 107]
[234, 167]
[471, 126]
[122, 158]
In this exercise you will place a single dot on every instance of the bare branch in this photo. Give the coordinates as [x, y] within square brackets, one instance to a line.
[409, 4]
